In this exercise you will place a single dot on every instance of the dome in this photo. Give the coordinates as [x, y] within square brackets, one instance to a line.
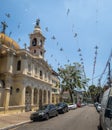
[5, 40]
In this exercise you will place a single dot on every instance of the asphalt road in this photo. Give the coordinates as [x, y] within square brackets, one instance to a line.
[85, 118]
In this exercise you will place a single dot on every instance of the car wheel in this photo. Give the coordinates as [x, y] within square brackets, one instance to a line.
[67, 109]
[47, 116]
[100, 127]
[57, 114]
[64, 110]
[34, 120]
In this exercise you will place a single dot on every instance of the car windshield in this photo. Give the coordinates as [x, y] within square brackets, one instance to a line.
[59, 104]
[43, 107]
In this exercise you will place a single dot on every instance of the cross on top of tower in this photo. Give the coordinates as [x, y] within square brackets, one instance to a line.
[4, 26]
[37, 22]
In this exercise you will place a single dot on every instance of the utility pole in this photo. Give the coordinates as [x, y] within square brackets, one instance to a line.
[109, 75]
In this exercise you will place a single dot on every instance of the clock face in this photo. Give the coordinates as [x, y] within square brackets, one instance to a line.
[34, 42]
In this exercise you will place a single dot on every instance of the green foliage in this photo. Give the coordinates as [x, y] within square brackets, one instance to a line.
[71, 77]
[95, 92]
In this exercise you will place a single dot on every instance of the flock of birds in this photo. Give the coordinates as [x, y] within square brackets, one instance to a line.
[53, 37]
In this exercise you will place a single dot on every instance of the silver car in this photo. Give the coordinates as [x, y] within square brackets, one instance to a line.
[106, 111]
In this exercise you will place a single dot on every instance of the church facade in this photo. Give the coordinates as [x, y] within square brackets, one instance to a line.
[26, 79]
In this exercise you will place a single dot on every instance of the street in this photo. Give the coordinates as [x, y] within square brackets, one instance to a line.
[85, 118]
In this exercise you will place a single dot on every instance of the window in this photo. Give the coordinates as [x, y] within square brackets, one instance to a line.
[17, 90]
[34, 51]
[41, 42]
[40, 74]
[109, 105]
[41, 53]
[19, 65]
[34, 42]
[11, 89]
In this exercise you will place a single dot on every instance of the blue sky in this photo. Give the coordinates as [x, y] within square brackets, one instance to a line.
[89, 19]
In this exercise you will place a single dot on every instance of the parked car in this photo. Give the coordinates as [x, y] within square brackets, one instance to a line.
[83, 104]
[78, 104]
[45, 112]
[62, 107]
[96, 104]
[98, 108]
[72, 106]
[106, 111]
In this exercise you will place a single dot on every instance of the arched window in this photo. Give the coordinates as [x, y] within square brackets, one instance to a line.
[34, 51]
[34, 42]
[41, 74]
[41, 53]
[19, 65]
[11, 89]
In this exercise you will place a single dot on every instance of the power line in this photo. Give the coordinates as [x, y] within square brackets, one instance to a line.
[107, 64]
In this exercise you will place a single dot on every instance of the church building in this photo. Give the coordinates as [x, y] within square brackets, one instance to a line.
[26, 79]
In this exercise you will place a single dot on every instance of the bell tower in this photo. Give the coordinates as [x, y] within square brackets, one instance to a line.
[37, 41]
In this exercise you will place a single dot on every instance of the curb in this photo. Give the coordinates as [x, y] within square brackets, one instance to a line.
[15, 125]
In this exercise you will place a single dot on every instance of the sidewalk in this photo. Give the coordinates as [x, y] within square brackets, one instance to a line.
[11, 120]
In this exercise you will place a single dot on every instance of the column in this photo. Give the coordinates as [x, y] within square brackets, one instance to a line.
[42, 97]
[38, 98]
[46, 97]
[6, 98]
[22, 102]
[50, 96]
[32, 96]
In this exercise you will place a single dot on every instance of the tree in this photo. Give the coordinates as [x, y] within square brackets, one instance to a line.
[95, 92]
[71, 77]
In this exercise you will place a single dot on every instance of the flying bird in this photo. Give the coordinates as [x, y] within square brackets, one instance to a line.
[19, 39]
[68, 11]
[7, 15]
[68, 60]
[81, 59]
[61, 49]
[82, 62]
[53, 37]
[18, 26]
[79, 50]
[46, 29]
[58, 64]
[96, 47]
[80, 54]
[10, 34]
[51, 55]
[75, 35]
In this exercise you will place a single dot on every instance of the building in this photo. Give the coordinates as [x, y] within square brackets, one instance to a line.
[26, 79]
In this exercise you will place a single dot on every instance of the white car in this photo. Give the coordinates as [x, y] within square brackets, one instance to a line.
[72, 106]
[98, 108]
